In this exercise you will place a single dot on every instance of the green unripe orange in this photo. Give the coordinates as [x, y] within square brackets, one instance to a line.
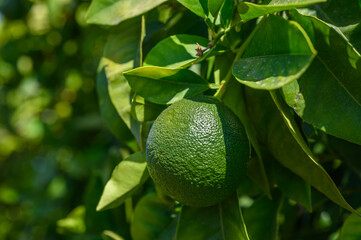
[197, 151]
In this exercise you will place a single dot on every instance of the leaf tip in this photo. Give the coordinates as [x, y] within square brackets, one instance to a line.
[126, 74]
[89, 15]
[242, 8]
[100, 207]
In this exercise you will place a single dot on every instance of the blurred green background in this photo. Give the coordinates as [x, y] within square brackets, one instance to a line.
[54, 149]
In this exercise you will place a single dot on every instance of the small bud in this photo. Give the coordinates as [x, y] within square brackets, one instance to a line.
[199, 51]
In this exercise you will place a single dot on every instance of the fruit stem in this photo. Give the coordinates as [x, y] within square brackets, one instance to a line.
[142, 37]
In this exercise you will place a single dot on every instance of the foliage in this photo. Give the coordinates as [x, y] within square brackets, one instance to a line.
[289, 69]
[54, 149]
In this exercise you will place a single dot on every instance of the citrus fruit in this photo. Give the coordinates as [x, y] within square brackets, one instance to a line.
[197, 151]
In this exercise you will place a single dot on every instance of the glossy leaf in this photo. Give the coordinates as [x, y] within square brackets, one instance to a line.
[261, 217]
[319, 99]
[175, 51]
[226, 12]
[214, 6]
[338, 60]
[266, 64]
[144, 111]
[286, 144]
[351, 228]
[234, 99]
[344, 16]
[120, 54]
[292, 185]
[112, 12]
[196, 6]
[222, 221]
[126, 178]
[249, 10]
[307, 166]
[151, 217]
[164, 85]
[109, 114]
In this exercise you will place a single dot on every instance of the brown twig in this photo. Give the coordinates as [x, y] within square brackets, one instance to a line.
[200, 51]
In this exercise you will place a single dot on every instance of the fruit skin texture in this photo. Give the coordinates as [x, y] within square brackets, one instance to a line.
[197, 151]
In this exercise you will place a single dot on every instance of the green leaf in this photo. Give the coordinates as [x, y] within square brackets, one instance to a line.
[151, 218]
[346, 18]
[214, 6]
[292, 185]
[164, 85]
[249, 11]
[109, 114]
[234, 99]
[175, 51]
[196, 6]
[144, 111]
[226, 12]
[170, 231]
[286, 142]
[112, 12]
[220, 221]
[351, 228]
[319, 100]
[267, 64]
[126, 178]
[120, 54]
[107, 234]
[337, 59]
[261, 217]
[74, 221]
[222, 64]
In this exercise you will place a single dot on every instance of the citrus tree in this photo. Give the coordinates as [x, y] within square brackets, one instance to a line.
[289, 71]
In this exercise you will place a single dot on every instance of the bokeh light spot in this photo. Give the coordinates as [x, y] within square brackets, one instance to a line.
[33, 129]
[38, 18]
[70, 47]
[7, 71]
[54, 38]
[8, 143]
[63, 109]
[74, 80]
[8, 195]
[17, 29]
[49, 116]
[68, 95]
[57, 188]
[24, 65]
